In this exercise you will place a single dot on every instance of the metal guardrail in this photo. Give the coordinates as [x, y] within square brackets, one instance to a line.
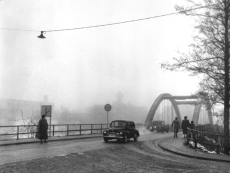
[216, 141]
[53, 130]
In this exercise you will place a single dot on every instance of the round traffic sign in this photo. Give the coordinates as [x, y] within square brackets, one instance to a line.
[108, 107]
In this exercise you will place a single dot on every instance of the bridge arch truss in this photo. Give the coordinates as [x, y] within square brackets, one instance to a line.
[174, 101]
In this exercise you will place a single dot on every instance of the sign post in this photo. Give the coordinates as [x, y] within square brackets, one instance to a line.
[47, 111]
[108, 107]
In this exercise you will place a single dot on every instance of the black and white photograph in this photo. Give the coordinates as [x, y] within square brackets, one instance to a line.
[114, 86]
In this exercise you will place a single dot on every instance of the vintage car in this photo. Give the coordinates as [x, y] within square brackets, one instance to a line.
[159, 126]
[121, 130]
[163, 128]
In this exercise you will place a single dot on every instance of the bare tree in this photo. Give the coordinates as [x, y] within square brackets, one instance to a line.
[31, 122]
[209, 54]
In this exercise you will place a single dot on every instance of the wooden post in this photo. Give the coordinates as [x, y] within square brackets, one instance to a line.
[91, 129]
[50, 125]
[101, 128]
[218, 149]
[188, 135]
[53, 130]
[195, 140]
[80, 129]
[68, 130]
[17, 132]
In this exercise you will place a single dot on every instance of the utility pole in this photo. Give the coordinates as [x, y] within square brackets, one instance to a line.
[226, 79]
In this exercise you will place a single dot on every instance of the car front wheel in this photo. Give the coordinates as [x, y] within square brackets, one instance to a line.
[105, 139]
[135, 137]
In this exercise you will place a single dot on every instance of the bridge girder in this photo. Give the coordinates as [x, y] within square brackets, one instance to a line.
[175, 104]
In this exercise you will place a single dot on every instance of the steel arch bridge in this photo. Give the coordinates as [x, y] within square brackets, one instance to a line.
[174, 101]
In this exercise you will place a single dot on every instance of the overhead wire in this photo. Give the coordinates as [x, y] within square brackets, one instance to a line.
[115, 23]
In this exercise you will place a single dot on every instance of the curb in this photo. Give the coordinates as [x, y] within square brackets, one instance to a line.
[197, 157]
[51, 140]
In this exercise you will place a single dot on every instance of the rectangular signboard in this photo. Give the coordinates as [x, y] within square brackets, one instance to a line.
[46, 110]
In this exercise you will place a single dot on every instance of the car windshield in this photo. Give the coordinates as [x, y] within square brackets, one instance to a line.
[121, 124]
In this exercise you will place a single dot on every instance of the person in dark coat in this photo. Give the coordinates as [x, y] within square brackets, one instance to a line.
[184, 125]
[176, 125]
[43, 127]
[192, 125]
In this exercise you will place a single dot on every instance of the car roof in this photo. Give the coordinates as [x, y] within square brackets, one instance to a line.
[123, 120]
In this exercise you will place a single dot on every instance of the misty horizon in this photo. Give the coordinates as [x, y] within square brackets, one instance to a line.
[81, 68]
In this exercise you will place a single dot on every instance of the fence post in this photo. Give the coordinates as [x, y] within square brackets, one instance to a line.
[218, 149]
[188, 135]
[101, 128]
[80, 129]
[53, 130]
[17, 132]
[195, 140]
[91, 129]
[219, 143]
[68, 130]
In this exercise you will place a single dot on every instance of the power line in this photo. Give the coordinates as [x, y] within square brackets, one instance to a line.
[110, 24]
[19, 29]
[130, 21]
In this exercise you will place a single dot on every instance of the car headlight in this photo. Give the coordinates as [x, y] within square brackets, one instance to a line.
[104, 132]
[120, 133]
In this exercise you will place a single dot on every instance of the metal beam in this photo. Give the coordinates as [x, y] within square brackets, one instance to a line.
[186, 102]
[180, 97]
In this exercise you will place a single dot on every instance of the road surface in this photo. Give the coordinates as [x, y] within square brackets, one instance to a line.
[96, 156]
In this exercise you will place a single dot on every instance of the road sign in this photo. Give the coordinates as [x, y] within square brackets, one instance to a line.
[108, 107]
[46, 110]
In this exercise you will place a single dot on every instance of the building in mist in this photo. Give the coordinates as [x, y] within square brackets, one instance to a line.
[13, 111]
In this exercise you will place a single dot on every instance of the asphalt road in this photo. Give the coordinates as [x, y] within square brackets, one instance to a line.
[96, 156]
[24, 152]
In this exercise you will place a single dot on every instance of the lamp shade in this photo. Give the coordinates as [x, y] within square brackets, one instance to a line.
[41, 36]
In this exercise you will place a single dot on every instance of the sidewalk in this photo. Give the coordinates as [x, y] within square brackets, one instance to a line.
[178, 146]
[50, 139]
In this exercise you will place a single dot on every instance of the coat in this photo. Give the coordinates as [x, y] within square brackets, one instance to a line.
[176, 125]
[184, 125]
[43, 127]
[191, 126]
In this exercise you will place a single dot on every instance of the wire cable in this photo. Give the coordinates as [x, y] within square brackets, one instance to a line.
[130, 21]
[20, 30]
[116, 23]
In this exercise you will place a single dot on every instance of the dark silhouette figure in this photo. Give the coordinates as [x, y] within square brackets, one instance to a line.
[176, 125]
[192, 125]
[43, 127]
[184, 125]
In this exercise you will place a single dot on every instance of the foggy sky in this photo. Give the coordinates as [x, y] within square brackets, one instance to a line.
[80, 68]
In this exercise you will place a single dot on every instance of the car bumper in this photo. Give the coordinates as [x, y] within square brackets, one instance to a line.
[113, 137]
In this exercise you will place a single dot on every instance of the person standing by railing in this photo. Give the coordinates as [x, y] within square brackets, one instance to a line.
[176, 125]
[43, 127]
[184, 125]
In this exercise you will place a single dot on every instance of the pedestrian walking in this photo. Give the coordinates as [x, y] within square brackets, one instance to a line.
[43, 127]
[184, 125]
[176, 125]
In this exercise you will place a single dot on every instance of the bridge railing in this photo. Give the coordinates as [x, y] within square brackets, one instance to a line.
[29, 131]
[213, 142]
[210, 128]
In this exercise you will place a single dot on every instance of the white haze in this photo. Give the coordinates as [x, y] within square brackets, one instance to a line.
[80, 68]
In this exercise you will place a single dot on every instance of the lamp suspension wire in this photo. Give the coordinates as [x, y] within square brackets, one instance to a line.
[110, 24]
